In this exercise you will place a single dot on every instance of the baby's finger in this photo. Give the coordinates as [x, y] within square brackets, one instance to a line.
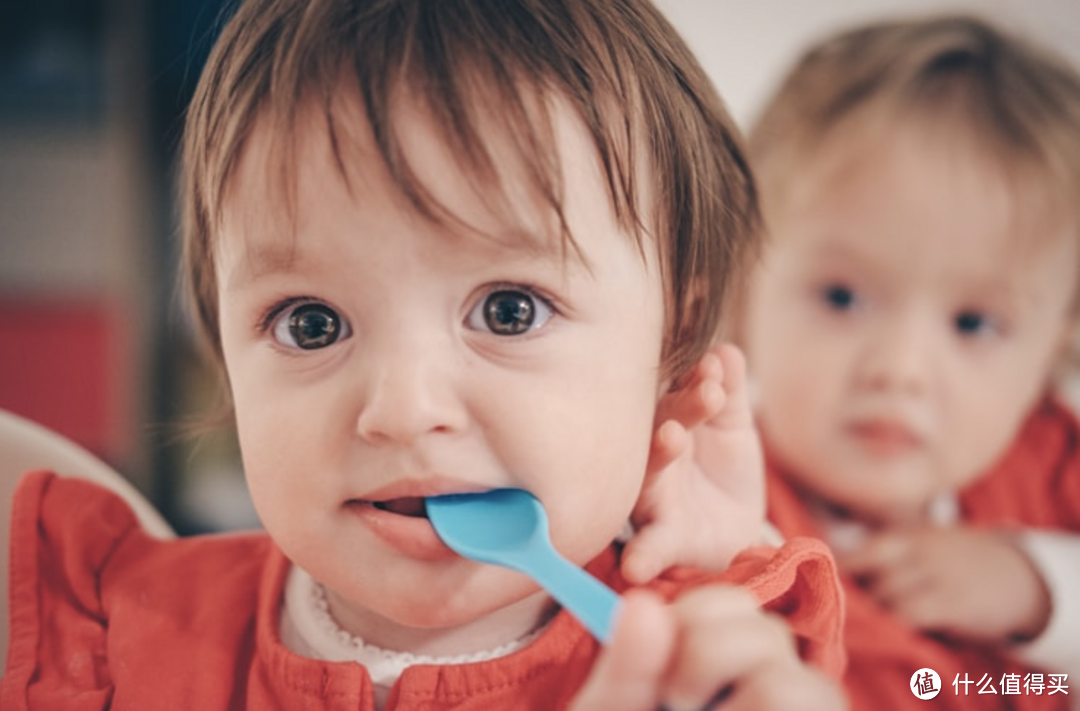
[736, 654]
[699, 396]
[669, 442]
[737, 409]
[648, 554]
[628, 672]
[786, 688]
[892, 586]
[724, 641]
[879, 553]
[924, 608]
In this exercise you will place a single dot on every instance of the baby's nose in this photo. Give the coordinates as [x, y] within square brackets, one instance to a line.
[408, 395]
[898, 357]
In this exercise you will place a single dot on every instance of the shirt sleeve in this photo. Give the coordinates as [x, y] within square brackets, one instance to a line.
[63, 533]
[1056, 556]
[799, 582]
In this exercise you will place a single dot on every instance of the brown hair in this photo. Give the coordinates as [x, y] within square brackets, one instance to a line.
[1021, 101]
[619, 64]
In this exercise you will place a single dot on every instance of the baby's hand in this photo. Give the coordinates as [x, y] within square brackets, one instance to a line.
[704, 494]
[963, 582]
[712, 643]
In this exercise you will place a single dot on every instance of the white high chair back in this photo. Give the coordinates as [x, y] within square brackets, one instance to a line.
[25, 446]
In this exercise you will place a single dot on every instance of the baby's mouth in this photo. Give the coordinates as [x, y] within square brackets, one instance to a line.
[412, 506]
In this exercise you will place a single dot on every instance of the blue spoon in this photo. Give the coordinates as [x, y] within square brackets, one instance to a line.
[509, 527]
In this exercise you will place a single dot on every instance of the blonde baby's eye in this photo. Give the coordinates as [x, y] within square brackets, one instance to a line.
[974, 323]
[839, 297]
[309, 326]
[509, 312]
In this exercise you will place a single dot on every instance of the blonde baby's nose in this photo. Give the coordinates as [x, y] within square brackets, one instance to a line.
[897, 357]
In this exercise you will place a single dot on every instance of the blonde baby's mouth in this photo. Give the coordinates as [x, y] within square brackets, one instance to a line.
[886, 437]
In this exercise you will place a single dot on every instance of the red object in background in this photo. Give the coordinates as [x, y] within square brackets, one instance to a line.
[66, 364]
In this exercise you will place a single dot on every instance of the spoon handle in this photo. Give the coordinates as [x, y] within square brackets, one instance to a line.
[589, 600]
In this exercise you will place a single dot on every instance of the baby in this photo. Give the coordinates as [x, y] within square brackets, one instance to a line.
[440, 247]
[920, 181]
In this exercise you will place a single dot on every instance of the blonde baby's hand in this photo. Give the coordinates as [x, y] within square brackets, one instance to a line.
[704, 494]
[969, 583]
[712, 643]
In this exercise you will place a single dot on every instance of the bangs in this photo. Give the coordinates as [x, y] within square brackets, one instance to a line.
[490, 76]
[440, 57]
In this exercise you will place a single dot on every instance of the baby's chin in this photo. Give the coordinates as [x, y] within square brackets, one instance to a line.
[889, 508]
[463, 626]
[876, 496]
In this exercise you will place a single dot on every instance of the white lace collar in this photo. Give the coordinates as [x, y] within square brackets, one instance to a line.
[845, 534]
[307, 628]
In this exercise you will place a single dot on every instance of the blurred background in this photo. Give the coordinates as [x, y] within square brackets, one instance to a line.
[94, 341]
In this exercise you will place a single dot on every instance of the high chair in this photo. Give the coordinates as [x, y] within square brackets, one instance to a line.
[25, 446]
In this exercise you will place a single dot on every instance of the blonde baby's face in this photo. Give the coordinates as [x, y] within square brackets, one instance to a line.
[376, 357]
[898, 330]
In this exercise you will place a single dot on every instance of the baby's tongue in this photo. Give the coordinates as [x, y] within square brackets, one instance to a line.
[406, 506]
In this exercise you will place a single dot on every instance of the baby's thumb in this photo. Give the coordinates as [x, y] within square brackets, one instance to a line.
[648, 554]
[628, 672]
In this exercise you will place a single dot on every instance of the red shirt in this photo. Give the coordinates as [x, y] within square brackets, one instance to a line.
[105, 617]
[1036, 484]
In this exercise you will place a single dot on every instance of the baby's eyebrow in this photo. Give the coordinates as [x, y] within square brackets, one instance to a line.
[260, 261]
[520, 244]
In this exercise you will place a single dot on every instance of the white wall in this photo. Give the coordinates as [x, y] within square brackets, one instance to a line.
[747, 45]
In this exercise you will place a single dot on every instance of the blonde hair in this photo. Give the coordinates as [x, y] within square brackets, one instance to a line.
[1019, 99]
[618, 63]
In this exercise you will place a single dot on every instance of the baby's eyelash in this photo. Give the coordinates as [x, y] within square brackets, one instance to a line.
[266, 321]
[533, 291]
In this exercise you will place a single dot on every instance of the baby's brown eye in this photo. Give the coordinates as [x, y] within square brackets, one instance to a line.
[309, 326]
[509, 312]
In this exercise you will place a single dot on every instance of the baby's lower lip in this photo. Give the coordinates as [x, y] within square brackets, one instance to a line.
[403, 525]
[885, 437]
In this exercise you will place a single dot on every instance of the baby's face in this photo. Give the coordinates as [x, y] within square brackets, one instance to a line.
[376, 357]
[898, 331]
